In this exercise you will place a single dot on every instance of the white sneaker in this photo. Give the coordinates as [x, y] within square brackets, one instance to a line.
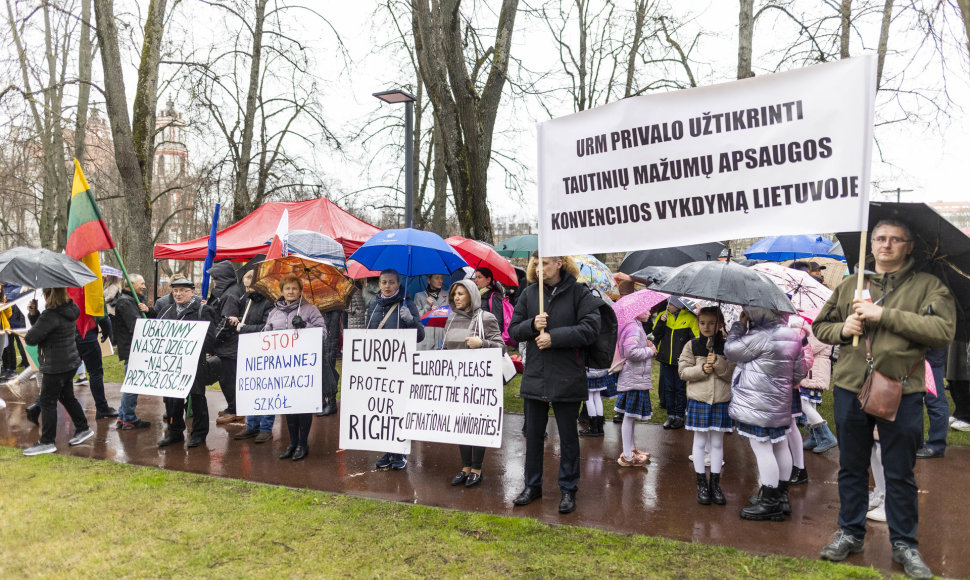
[877, 514]
[958, 425]
[876, 500]
[40, 449]
[80, 437]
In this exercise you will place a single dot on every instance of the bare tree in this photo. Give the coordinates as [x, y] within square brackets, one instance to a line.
[745, 38]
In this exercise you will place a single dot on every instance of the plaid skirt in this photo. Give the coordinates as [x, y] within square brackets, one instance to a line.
[773, 434]
[704, 417]
[635, 404]
[796, 406]
[606, 385]
[812, 395]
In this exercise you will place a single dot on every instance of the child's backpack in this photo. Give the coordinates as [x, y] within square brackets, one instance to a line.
[599, 355]
[507, 310]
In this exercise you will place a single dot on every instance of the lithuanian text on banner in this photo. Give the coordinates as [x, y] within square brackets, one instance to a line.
[787, 153]
[164, 357]
[280, 372]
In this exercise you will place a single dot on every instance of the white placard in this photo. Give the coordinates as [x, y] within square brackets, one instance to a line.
[787, 153]
[164, 357]
[280, 372]
[374, 379]
[456, 397]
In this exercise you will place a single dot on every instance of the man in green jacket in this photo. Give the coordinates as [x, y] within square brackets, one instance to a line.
[902, 312]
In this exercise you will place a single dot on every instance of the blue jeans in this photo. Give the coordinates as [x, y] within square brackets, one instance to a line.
[126, 411]
[899, 440]
[263, 423]
[938, 410]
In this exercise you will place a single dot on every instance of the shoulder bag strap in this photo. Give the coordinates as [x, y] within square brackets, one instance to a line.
[388, 315]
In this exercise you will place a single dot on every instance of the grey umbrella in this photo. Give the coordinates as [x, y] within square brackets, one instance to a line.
[40, 268]
[726, 282]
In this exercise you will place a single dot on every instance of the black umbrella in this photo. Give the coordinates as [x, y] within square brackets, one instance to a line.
[40, 268]
[940, 249]
[653, 275]
[726, 282]
[673, 256]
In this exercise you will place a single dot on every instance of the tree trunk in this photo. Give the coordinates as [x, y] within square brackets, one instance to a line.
[85, 58]
[965, 12]
[745, 38]
[133, 142]
[242, 204]
[639, 20]
[440, 204]
[887, 16]
[845, 12]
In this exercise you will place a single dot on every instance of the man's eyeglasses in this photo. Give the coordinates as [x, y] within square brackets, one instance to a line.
[883, 240]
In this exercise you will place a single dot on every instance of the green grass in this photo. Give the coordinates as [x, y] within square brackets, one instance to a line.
[72, 517]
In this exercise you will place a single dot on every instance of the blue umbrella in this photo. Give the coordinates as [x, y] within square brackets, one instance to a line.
[409, 251]
[778, 248]
[419, 283]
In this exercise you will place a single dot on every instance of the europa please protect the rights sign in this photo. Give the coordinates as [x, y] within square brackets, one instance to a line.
[787, 153]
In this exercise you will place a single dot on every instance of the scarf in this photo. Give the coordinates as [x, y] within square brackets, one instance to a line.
[432, 292]
[388, 301]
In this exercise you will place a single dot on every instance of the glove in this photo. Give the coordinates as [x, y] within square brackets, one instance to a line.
[104, 336]
[406, 315]
[298, 322]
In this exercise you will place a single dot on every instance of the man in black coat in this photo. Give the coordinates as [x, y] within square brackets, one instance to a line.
[89, 347]
[127, 311]
[225, 300]
[187, 306]
[555, 370]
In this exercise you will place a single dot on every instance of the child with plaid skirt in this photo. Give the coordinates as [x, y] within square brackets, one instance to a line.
[708, 374]
[633, 386]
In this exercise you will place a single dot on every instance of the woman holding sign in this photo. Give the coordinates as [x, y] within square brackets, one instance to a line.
[291, 311]
[470, 326]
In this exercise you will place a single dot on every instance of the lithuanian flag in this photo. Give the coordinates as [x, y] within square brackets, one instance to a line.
[87, 234]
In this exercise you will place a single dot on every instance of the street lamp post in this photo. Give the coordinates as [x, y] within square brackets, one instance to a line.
[394, 97]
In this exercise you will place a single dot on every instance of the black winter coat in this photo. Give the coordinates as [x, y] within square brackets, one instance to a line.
[259, 309]
[195, 311]
[52, 332]
[123, 321]
[558, 373]
[228, 295]
[380, 306]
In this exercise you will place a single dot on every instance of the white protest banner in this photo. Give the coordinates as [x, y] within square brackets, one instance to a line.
[280, 372]
[787, 153]
[374, 380]
[456, 397]
[164, 357]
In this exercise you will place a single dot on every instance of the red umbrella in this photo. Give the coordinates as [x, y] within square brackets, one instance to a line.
[356, 270]
[479, 255]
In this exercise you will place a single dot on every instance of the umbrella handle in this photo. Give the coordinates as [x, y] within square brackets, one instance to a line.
[860, 275]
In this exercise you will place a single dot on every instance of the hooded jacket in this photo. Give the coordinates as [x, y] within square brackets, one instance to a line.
[671, 335]
[770, 364]
[123, 320]
[918, 313]
[404, 316]
[820, 375]
[557, 374]
[631, 343]
[464, 323]
[228, 293]
[707, 388]
[52, 332]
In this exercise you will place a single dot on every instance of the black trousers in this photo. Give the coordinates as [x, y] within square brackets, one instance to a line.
[960, 391]
[175, 409]
[536, 418]
[227, 382]
[298, 425]
[472, 456]
[90, 352]
[54, 388]
[899, 440]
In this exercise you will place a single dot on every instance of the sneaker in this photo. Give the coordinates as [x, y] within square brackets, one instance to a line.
[228, 418]
[264, 436]
[400, 461]
[958, 425]
[246, 434]
[912, 562]
[876, 499]
[138, 424]
[81, 437]
[82, 380]
[109, 413]
[385, 461]
[877, 514]
[40, 449]
[842, 545]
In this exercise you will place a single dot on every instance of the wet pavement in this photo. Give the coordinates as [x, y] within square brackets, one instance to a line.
[658, 501]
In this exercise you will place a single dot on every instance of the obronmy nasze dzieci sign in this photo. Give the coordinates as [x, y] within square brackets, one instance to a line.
[164, 357]
[787, 153]
[280, 372]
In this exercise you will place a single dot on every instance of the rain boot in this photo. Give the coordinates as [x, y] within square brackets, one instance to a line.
[600, 421]
[799, 475]
[783, 498]
[810, 440]
[769, 508]
[590, 430]
[703, 491]
[717, 496]
[826, 440]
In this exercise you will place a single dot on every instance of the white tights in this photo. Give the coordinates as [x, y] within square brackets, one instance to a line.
[703, 439]
[875, 462]
[626, 431]
[594, 405]
[812, 415]
[773, 460]
[795, 445]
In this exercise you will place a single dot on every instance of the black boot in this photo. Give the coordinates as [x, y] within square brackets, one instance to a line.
[618, 418]
[599, 428]
[597, 425]
[590, 430]
[769, 508]
[783, 498]
[798, 476]
[703, 491]
[717, 496]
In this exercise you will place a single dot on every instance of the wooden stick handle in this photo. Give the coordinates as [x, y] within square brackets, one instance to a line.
[542, 301]
[860, 275]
